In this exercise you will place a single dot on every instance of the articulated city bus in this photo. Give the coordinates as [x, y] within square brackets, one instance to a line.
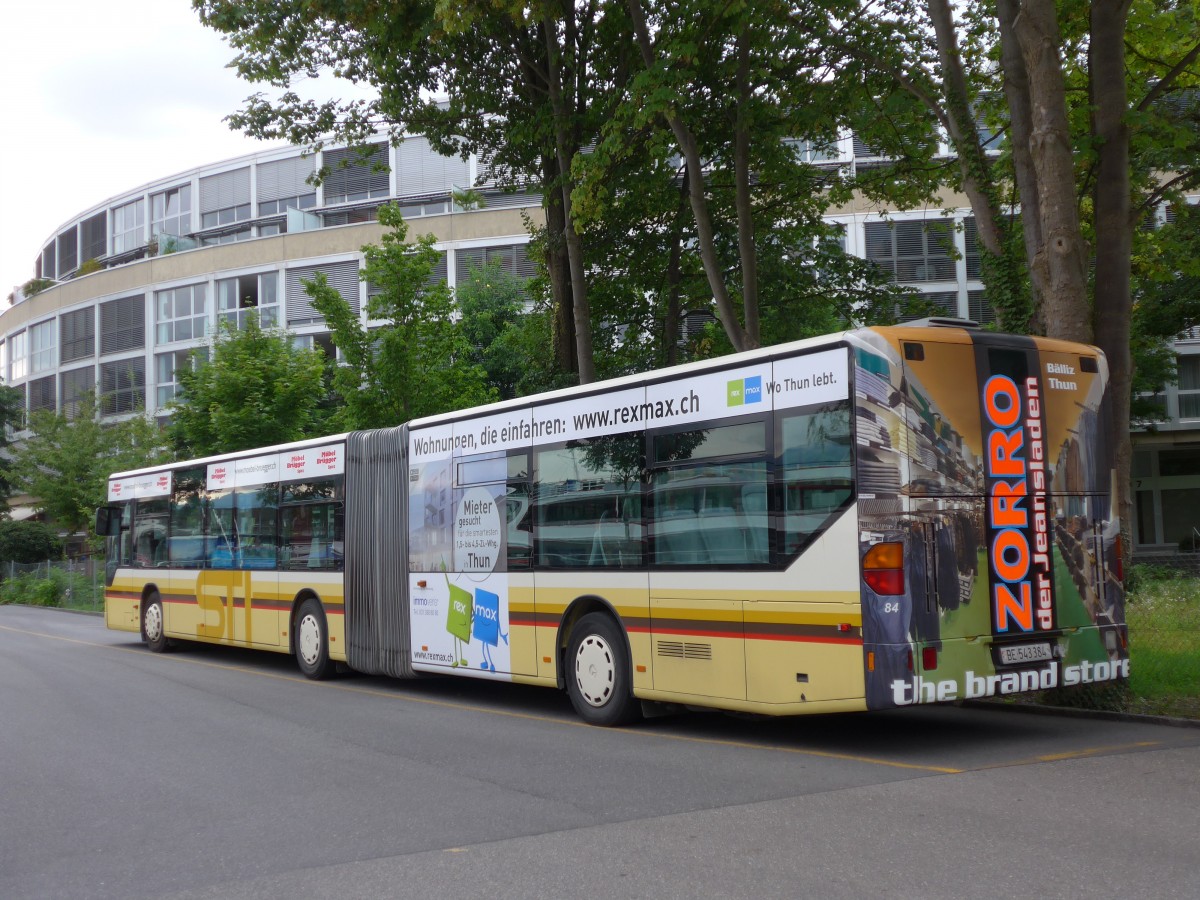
[879, 518]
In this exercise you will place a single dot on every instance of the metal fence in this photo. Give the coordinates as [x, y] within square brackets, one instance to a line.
[68, 584]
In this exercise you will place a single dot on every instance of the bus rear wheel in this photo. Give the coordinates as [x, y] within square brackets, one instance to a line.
[598, 678]
[154, 631]
[312, 641]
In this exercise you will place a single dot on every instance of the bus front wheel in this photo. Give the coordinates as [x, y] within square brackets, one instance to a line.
[154, 631]
[312, 641]
[598, 679]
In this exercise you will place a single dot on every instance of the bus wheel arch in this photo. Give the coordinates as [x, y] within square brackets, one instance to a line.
[310, 636]
[153, 620]
[596, 664]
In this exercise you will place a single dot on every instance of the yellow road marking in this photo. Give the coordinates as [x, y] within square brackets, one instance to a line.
[491, 711]
[1073, 754]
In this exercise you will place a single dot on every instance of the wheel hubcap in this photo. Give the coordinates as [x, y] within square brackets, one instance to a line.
[153, 622]
[310, 639]
[595, 670]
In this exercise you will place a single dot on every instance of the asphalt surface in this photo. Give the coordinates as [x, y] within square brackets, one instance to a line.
[216, 773]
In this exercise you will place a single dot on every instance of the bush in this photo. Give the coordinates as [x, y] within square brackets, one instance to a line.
[28, 542]
[56, 587]
[34, 589]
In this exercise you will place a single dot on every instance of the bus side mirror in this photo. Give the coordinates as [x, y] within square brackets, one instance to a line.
[108, 521]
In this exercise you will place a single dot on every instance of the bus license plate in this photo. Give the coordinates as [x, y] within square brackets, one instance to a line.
[1020, 653]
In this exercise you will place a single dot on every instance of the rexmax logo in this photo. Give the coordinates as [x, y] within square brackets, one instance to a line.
[741, 391]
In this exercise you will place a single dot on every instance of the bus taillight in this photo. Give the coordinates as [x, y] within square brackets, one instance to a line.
[883, 568]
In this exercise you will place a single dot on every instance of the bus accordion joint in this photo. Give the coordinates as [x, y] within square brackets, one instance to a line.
[883, 568]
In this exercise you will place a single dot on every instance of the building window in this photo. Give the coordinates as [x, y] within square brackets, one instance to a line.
[129, 226]
[229, 237]
[123, 324]
[68, 251]
[93, 237]
[354, 177]
[914, 252]
[1189, 387]
[249, 296]
[42, 392]
[421, 171]
[77, 334]
[181, 314]
[979, 308]
[41, 341]
[300, 201]
[809, 151]
[226, 216]
[122, 386]
[49, 260]
[284, 183]
[18, 354]
[172, 212]
[225, 198]
[341, 276]
[76, 384]
[971, 249]
[166, 369]
[322, 342]
[513, 259]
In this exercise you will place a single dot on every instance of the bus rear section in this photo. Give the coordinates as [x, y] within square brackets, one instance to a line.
[989, 540]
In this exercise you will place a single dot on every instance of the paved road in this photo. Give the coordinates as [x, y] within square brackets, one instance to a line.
[217, 773]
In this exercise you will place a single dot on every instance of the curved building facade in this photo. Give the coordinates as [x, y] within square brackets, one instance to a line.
[143, 279]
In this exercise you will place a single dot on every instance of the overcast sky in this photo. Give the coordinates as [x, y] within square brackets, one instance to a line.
[98, 97]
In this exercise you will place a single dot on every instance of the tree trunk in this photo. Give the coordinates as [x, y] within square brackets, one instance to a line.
[1061, 258]
[747, 252]
[560, 276]
[1000, 271]
[1020, 109]
[705, 234]
[670, 328]
[1114, 226]
[563, 153]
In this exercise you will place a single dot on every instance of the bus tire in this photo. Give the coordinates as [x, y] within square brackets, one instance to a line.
[154, 631]
[598, 676]
[312, 641]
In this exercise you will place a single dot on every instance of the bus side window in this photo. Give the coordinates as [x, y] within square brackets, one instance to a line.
[150, 532]
[815, 469]
[222, 544]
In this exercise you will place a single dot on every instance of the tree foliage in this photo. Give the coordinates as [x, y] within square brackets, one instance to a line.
[417, 360]
[28, 542]
[254, 389]
[507, 334]
[12, 415]
[65, 462]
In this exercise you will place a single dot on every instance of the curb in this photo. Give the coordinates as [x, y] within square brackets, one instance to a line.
[61, 609]
[1074, 712]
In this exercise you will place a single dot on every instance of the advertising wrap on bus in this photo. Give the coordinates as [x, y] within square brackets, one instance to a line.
[1000, 491]
[459, 564]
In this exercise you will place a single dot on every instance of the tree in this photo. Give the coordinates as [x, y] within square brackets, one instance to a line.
[525, 87]
[65, 462]
[12, 414]
[507, 337]
[418, 361]
[254, 389]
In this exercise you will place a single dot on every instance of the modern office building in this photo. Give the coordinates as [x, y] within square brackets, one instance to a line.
[139, 281]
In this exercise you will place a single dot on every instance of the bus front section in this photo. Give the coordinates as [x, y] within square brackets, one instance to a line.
[989, 540]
